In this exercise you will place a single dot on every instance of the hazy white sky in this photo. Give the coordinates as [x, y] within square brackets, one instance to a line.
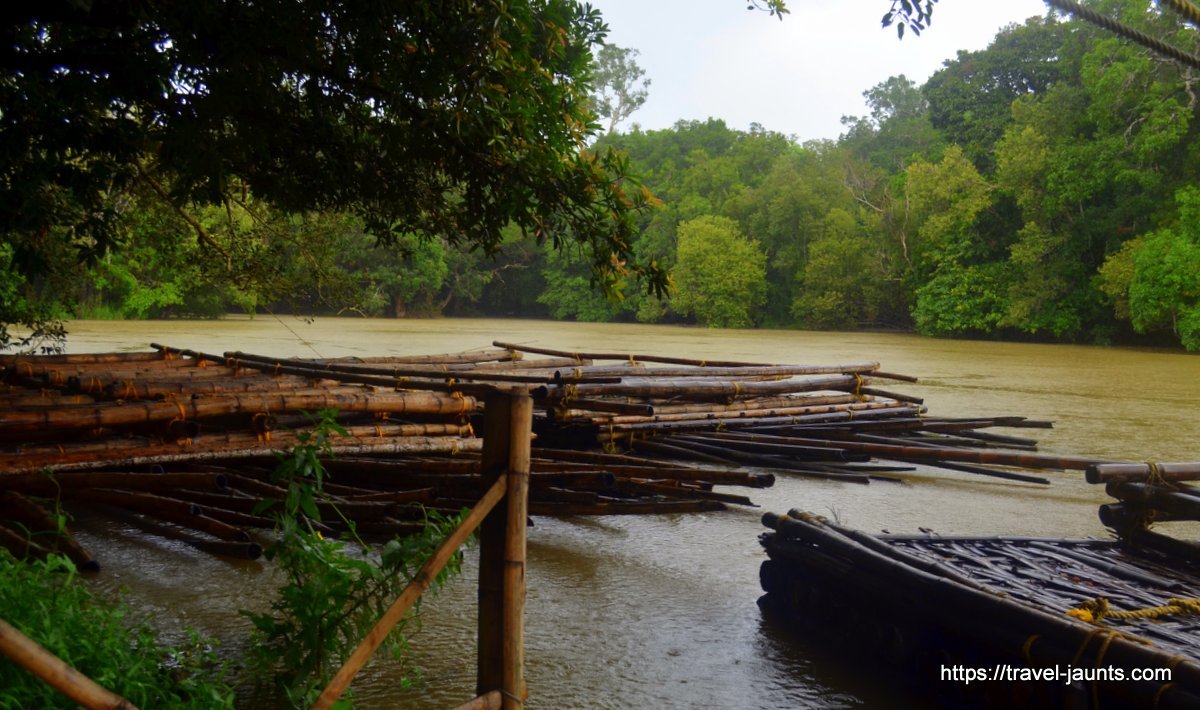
[799, 76]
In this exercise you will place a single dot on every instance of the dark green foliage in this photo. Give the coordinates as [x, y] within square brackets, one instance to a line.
[48, 603]
[447, 120]
[334, 591]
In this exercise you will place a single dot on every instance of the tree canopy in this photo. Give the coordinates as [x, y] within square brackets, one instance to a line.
[447, 119]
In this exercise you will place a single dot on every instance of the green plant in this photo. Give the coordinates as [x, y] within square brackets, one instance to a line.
[47, 602]
[334, 591]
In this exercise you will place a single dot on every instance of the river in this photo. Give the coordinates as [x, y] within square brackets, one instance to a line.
[659, 611]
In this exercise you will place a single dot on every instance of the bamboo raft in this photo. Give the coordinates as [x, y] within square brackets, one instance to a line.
[915, 607]
[183, 443]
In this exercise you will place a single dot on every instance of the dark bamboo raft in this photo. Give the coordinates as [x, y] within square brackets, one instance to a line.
[926, 609]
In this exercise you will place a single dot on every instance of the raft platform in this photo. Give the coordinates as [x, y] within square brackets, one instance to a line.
[995, 621]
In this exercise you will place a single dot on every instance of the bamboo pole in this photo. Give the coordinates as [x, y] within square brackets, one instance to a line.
[720, 389]
[490, 624]
[720, 412]
[12, 360]
[513, 675]
[427, 372]
[1002, 458]
[196, 452]
[860, 368]
[487, 701]
[1118, 472]
[36, 519]
[627, 357]
[769, 403]
[420, 582]
[31, 656]
[142, 412]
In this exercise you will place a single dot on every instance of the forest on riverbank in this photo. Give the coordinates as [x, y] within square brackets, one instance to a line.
[1041, 188]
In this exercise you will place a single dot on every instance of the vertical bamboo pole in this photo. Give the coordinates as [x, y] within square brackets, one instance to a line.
[489, 674]
[508, 421]
[521, 412]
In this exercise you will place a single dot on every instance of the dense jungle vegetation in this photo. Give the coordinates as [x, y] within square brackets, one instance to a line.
[1041, 188]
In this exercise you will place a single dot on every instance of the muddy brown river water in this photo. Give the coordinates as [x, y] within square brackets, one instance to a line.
[659, 611]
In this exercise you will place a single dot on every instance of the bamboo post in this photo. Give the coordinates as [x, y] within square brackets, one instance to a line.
[31, 656]
[506, 447]
[424, 577]
[490, 626]
[521, 424]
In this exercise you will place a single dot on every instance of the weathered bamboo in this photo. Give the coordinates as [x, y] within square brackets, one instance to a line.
[626, 357]
[489, 671]
[10, 360]
[420, 582]
[427, 372]
[487, 701]
[1002, 458]
[174, 510]
[1183, 504]
[616, 507]
[470, 357]
[680, 453]
[37, 520]
[982, 613]
[740, 371]
[31, 656]
[635, 466]
[765, 403]
[199, 452]
[979, 470]
[712, 389]
[732, 440]
[44, 485]
[548, 364]
[641, 487]
[837, 403]
[244, 382]
[796, 422]
[21, 545]
[217, 405]
[44, 398]
[513, 675]
[226, 548]
[1145, 472]
[586, 406]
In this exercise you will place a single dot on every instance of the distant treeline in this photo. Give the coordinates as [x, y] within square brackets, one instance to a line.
[1045, 187]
